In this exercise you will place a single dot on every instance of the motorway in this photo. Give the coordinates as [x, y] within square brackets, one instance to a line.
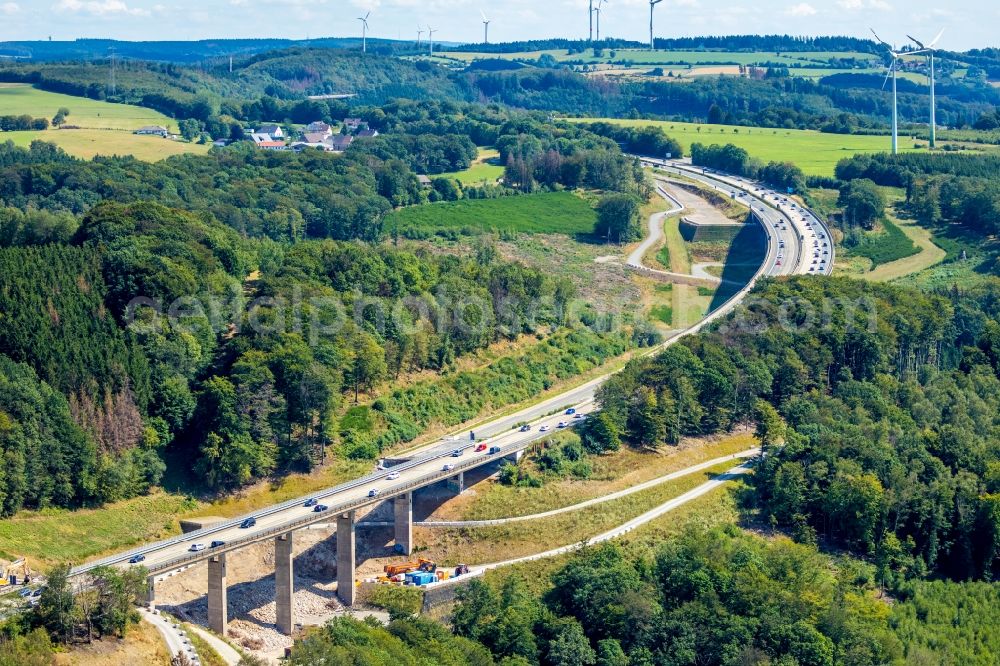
[788, 235]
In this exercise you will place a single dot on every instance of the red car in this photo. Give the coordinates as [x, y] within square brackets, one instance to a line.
[481, 447]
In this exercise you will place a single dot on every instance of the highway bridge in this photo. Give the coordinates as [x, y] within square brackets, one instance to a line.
[788, 253]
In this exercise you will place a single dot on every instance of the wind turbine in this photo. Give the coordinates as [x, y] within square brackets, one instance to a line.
[896, 55]
[598, 11]
[364, 32]
[929, 48]
[652, 5]
[430, 37]
[486, 28]
[420, 34]
[591, 20]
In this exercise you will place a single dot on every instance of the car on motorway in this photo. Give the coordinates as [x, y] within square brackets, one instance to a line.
[562, 424]
[373, 492]
[392, 476]
[543, 428]
[448, 468]
[135, 559]
[320, 508]
[494, 450]
[197, 547]
[578, 415]
[248, 523]
[525, 428]
[217, 544]
[457, 453]
[570, 411]
[778, 262]
[312, 501]
[480, 448]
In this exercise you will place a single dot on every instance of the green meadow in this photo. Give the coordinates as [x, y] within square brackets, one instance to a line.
[546, 213]
[816, 153]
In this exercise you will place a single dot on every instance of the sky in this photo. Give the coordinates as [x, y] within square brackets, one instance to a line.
[969, 23]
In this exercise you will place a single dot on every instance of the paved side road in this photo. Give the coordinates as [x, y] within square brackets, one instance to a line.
[226, 651]
[173, 636]
[615, 532]
[645, 485]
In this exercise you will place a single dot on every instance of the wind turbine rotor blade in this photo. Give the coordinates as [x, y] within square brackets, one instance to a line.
[879, 39]
[936, 39]
[887, 75]
[916, 41]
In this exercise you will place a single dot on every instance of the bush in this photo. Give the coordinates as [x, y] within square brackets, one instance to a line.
[400, 602]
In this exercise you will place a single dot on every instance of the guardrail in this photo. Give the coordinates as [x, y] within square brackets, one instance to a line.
[339, 509]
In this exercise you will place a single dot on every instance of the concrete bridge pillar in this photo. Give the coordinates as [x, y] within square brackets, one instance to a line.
[458, 483]
[284, 583]
[151, 592]
[218, 602]
[403, 510]
[346, 589]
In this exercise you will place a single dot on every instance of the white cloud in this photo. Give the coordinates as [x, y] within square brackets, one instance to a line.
[855, 5]
[10, 8]
[100, 8]
[801, 9]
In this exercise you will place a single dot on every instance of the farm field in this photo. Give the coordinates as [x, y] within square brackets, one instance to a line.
[89, 143]
[486, 169]
[816, 153]
[106, 127]
[19, 98]
[547, 213]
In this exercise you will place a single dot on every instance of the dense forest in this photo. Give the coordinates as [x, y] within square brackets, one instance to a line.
[223, 308]
[885, 399]
[941, 189]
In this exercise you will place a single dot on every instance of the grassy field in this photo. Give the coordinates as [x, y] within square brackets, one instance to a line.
[88, 143]
[18, 98]
[547, 213]
[928, 255]
[816, 153]
[52, 536]
[710, 510]
[493, 543]
[143, 644]
[107, 128]
[486, 169]
[611, 472]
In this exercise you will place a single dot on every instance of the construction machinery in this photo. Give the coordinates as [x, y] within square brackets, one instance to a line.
[421, 564]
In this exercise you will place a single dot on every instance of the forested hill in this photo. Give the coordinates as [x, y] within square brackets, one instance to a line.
[886, 399]
[772, 43]
[273, 86]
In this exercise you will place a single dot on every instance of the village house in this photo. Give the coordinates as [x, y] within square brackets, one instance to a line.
[153, 130]
[320, 127]
[367, 134]
[271, 130]
[341, 142]
[354, 124]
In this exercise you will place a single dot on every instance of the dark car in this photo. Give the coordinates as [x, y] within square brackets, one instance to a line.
[135, 559]
[216, 544]
[320, 508]
[248, 523]
[312, 501]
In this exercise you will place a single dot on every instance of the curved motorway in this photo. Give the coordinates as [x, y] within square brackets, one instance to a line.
[790, 232]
